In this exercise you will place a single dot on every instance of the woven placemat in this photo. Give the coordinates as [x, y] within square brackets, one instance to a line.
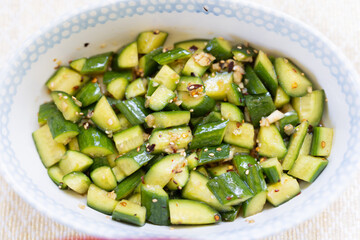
[338, 20]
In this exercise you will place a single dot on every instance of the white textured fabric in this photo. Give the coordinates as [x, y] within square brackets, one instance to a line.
[338, 20]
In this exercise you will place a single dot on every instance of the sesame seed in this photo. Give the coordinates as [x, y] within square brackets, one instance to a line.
[191, 110]
[205, 150]
[211, 154]
[247, 172]
[218, 149]
[154, 200]
[110, 121]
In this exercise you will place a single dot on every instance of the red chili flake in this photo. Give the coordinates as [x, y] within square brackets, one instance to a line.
[250, 165]
[230, 66]
[82, 79]
[298, 194]
[230, 170]
[323, 144]
[276, 190]
[86, 44]
[310, 129]
[76, 88]
[294, 70]
[246, 93]
[143, 179]
[228, 198]
[216, 217]
[124, 204]
[193, 48]
[238, 124]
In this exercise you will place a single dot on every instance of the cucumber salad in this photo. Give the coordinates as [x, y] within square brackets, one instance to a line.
[197, 133]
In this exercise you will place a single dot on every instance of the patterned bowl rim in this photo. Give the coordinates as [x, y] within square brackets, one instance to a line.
[337, 183]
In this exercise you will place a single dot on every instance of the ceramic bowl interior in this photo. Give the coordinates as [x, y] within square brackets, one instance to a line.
[107, 28]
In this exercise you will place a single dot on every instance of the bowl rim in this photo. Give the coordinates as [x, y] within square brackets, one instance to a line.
[348, 66]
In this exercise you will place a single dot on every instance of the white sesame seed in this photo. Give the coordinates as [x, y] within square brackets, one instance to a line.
[154, 200]
[247, 172]
[211, 154]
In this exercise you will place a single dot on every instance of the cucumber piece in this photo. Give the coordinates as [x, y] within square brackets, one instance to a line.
[135, 198]
[124, 123]
[235, 150]
[101, 200]
[95, 143]
[187, 83]
[161, 172]
[231, 215]
[126, 57]
[61, 130]
[229, 189]
[126, 211]
[243, 53]
[272, 169]
[240, 134]
[167, 77]
[133, 160]
[203, 171]
[152, 86]
[156, 202]
[322, 141]
[78, 64]
[296, 141]
[253, 83]
[97, 64]
[128, 185]
[214, 154]
[74, 161]
[192, 160]
[250, 172]
[116, 83]
[259, 106]
[89, 94]
[104, 116]
[209, 134]
[167, 119]
[77, 181]
[192, 66]
[178, 65]
[180, 179]
[192, 212]
[221, 169]
[231, 112]
[197, 189]
[291, 78]
[66, 80]
[254, 205]
[219, 48]
[306, 146]
[129, 139]
[281, 98]
[265, 70]
[170, 140]
[217, 86]
[308, 168]
[46, 110]
[281, 192]
[198, 106]
[66, 105]
[119, 174]
[271, 143]
[310, 106]
[150, 40]
[49, 150]
[211, 117]
[134, 110]
[193, 45]
[289, 118]
[160, 98]
[104, 178]
[56, 175]
[146, 63]
[136, 88]
[235, 96]
[171, 55]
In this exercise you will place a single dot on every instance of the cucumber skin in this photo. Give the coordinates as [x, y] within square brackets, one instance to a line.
[321, 145]
[92, 137]
[254, 85]
[219, 153]
[89, 94]
[134, 110]
[208, 135]
[127, 186]
[157, 205]
[259, 106]
[58, 126]
[46, 110]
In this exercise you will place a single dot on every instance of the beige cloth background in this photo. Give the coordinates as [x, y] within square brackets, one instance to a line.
[338, 20]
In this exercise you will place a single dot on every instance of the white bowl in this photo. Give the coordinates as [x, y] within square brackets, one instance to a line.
[22, 91]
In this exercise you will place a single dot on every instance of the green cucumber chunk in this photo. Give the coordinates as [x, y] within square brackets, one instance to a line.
[187, 83]
[231, 112]
[270, 142]
[129, 139]
[77, 181]
[310, 107]
[134, 110]
[281, 98]
[160, 98]
[66, 105]
[195, 66]
[240, 134]
[170, 140]
[128, 185]
[220, 169]
[78, 64]
[266, 72]
[192, 212]
[219, 48]
[254, 205]
[101, 200]
[259, 106]
[322, 141]
[104, 178]
[156, 202]
[62, 130]
[97, 64]
[46, 110]
[104, 116]
[167, 77]
[136, 88]
[214, 154]
[74, 161]
[252, 82]
[129, 212]
[89, 94]
[56, 175]
[243, 53]
[126, 57]
[146, 63]
[281, 192]
[296, 141]
[209, 134]
[167, 119]
[272, 169]
[95, 143]
[116, 83]
[49, 150]
[171, 56]
[193, 45]
[308, 168]
[217, 86]
[198, 106]
[66, 80]
[291, 78]
[150, 40]
[180, 179]
[289, 118]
